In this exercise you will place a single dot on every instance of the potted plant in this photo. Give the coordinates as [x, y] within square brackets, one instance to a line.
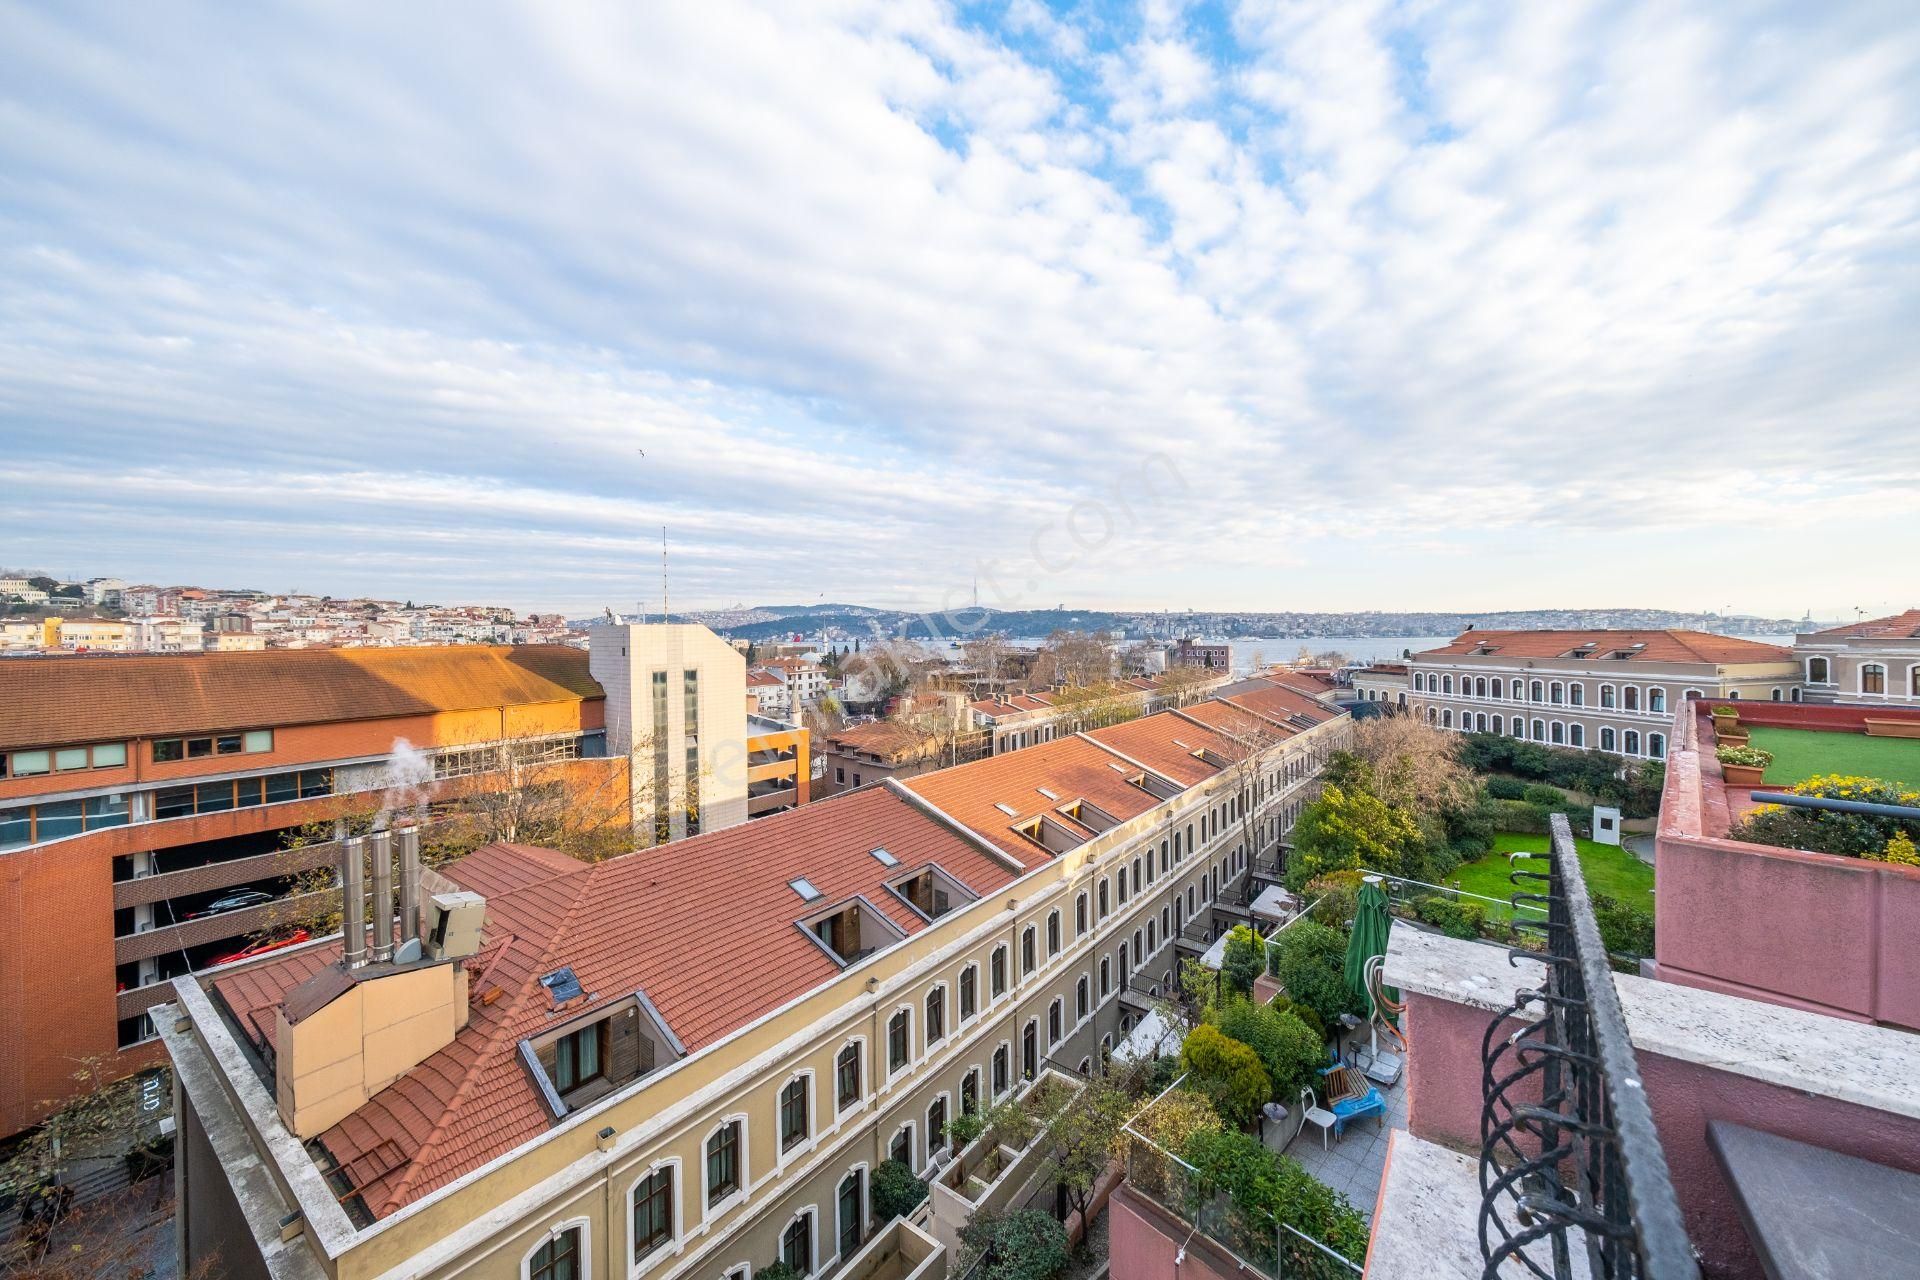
[1723, 715]
[1743, 765]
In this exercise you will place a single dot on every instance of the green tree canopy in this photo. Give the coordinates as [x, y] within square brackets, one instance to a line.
[1227, 1072]
[1345, 829]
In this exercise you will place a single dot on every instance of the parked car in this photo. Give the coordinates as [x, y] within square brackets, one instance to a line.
[298, 935]
[238, 901]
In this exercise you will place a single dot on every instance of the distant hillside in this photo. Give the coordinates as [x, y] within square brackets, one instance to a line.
[764, 622]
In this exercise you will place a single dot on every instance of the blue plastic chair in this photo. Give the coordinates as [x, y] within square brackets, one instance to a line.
[1351, 1105]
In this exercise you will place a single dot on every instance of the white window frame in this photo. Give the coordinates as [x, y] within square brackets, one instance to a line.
[946, 1016]
[739, 1194]
[640, 1266]
[866, 1210]
[866, 1089]
[813, 1238]
[783, 1156]
[584, 1226]
[892, 1072]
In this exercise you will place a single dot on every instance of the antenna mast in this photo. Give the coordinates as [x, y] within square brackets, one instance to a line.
[666, 610]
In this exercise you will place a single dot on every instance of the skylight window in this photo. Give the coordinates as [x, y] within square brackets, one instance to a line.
[562, 986]
[805, 889]
[1008, 809]
[885, 859]
[1048, 794]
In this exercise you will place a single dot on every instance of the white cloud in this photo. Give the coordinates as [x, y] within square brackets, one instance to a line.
[881, 297]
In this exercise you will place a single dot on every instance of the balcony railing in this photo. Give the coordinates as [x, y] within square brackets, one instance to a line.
[1572, 1175]
[1255, 1240]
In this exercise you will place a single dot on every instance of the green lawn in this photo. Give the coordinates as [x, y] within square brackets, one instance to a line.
[1799, 754]
[1609, 869]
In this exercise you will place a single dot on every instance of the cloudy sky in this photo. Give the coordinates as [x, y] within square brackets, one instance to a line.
[1276, 305]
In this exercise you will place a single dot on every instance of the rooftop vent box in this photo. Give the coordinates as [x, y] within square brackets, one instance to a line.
[562, 985]
[453, 924]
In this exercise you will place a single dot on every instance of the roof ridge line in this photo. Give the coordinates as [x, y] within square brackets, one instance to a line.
[934, 811]
[1138, 764]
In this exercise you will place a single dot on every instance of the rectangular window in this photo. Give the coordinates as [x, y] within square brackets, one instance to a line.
[16, 827]
[26, 764]
[106, 811]
[793, 1114]
[662, 784]
[67, 759]
[199, 748]
[899, 1046]
[166, 750]
[576, 1058]
[282, 787]
[258, 740]
[213, 797]
[227, 744]
[937, 1126]
[316, 782]
[847, 1077]
[110, 755]
[692, 789]
[173, 802]
[723, 1163]
[653, 1213]
[57, 821]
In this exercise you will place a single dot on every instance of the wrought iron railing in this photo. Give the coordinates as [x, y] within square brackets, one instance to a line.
[1572, 1175]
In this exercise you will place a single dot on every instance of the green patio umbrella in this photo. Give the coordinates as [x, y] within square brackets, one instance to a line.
[1369, 939]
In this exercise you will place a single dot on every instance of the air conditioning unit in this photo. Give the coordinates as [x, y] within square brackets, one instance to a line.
[453, 924]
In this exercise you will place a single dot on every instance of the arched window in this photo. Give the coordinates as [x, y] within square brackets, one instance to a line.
[1606, 737]
[1657, 746]
[1029, 961]
[851, 1204]
[1556, 693]
[1056, 1019]
[1403, 699]
[1609, 699]
[1480, 722]
[1776, 693]
[1053, 933]
[1106, 977]
[1479, 686]
[1576, 694]
[1519, 727]
[1080, 914]
[1537, 691]
[1419, 682]
[1630, 698]
[1081, 997]
[1657, 699]
[1873, 678]
[1795, 695]
[1493, 689]
[1576, 735]
[1446, 684]
[560, 1256]
[1632, 741]
[1913, 681]
[1104, 905]
[1517, 695]
[1446, 719]
[1433, 717]
[1499, 725]
[1818, 672]
[796, 1243]
[1559, 736]
[1539, 730]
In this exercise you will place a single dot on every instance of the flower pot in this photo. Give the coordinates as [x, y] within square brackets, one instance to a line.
[1743, 775]
[1732, 735]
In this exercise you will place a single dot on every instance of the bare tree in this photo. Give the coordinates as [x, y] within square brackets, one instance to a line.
[1415, 765]
[1073, 658]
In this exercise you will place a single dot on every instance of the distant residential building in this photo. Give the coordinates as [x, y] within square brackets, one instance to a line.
[806, 681]
[21, 635]
[1872, 661]
[864, 753]
[1023, 719]
[16, 586]
[24, 594]
[169, 635]
[235, 642]
[1386, 682]
[1613, 691]
[779, 766]
[104, 635]
[104, 591]
[1195, 653]
[768, 692]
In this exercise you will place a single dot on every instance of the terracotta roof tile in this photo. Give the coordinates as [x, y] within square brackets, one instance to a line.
[50, 700]
[1899, 626]
[1660, 646]
[1071, 768]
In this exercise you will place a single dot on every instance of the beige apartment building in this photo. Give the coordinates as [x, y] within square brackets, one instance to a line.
[1613, 691]
[1872, 661]
[689, 1062]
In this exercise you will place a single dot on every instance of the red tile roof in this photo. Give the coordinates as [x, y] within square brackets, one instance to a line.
[1166, 744]
[1660, 646]
[1071, 768]
[52, 700]
[668, 926]
[1899, 626]
[886, 740]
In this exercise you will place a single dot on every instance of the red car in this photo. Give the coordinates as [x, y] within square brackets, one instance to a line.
[298, 935]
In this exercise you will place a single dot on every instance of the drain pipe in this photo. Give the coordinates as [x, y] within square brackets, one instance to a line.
[1907, 812]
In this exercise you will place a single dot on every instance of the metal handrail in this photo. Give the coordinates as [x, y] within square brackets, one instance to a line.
[1569, 1158]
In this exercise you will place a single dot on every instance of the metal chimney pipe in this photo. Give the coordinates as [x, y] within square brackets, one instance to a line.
[353, 901]
[409, 883]
[380, 950]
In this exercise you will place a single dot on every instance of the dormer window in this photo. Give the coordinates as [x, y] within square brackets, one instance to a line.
[931, 892]
[852, 931]
[1047, 834]
[583, 1061]
[1154, 785]
[1088, 814]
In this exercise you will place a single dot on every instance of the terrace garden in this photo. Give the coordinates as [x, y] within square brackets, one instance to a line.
[1799, 754]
